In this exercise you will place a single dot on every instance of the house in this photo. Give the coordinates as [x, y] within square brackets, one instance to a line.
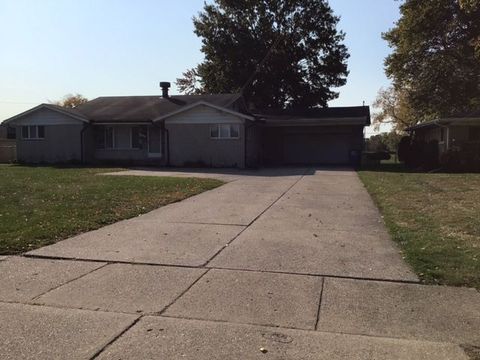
[454, 133]
[188, 130]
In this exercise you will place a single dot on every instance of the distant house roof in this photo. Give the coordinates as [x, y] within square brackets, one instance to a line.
[468, 118]
[146, 108]
[317, 116]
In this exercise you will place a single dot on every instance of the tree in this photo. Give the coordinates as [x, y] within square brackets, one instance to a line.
[279, 53]
[392, 107]
[473, 7]
[434, 63]
[71, 101]
[190, 83]
[384, 142]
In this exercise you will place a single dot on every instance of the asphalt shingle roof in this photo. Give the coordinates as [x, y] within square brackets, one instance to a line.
[145, 108]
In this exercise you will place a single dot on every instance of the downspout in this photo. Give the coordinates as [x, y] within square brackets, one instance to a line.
[168, 145]
[245, 145]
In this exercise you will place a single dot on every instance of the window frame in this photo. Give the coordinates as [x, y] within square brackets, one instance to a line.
[104, 131]
[219, 132]
[29, 132]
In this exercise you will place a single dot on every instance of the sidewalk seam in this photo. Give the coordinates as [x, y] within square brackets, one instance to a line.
[256, 218]
[320, 304]
[183, 293]
[68, 282]
[97, 353]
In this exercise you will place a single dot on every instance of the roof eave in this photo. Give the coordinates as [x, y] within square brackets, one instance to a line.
[46, 106]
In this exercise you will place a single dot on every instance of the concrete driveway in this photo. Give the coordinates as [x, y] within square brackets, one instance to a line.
[275, 264]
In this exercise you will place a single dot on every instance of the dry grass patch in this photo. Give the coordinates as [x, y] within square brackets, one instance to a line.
[435, 218]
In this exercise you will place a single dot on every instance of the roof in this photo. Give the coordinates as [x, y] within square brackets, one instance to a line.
[146, 108]
[316, 116]
[74, 113]
[468, 118]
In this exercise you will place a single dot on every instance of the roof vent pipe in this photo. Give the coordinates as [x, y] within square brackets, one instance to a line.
[165, 85]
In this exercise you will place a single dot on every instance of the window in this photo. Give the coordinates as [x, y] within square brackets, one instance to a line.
[225, 131]
[474, 133]
[33, 132]
[442, 134]
[120, 137]
[138, 137]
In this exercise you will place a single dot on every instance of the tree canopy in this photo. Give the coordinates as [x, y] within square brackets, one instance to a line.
[71, 101]
[392, 107]
[280, 53]
[435, 63]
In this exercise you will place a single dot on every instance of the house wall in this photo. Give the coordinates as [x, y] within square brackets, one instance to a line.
[253, 144]
[62, 138]
[458, 134]
[190, 142]
[61, 144]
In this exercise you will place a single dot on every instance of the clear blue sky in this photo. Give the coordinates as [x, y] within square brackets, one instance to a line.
[121, 47]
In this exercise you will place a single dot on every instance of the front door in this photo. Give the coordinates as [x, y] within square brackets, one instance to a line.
[154, 142]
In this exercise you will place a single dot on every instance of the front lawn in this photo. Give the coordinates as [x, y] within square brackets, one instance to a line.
[41, 205]
[435, 218]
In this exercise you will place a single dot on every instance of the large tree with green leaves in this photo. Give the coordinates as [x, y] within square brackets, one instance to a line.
[279, 53]
[435, 64]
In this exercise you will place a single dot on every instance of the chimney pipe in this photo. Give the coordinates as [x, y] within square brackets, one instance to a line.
[165, 85]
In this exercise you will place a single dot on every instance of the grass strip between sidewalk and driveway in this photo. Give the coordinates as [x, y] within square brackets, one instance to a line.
[42, 205]
[435, 218]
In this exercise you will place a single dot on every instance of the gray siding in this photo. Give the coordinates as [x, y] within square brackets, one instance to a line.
[61, 144]
[190, 144]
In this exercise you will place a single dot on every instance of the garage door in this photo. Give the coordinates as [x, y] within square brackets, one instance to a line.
[316, 148]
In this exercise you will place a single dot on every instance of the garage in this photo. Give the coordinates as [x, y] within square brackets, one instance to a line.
[332, 136]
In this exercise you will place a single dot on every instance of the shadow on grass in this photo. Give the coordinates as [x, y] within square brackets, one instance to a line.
[401, 168]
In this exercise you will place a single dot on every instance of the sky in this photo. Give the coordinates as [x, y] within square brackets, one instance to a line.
[51, 48]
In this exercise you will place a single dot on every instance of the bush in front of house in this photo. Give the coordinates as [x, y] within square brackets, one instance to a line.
[416, 153]
[464, 158]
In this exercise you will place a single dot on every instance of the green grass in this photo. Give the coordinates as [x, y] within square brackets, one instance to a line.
[435, 218]
[42, 205]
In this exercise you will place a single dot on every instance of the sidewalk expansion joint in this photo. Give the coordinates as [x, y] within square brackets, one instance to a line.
[67, 282]
[320, 304]
[206, 267]
[256, 218]
[134, 322]
[182, 293]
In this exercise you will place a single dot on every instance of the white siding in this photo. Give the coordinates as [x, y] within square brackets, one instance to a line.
[204, 115]
[46, 117]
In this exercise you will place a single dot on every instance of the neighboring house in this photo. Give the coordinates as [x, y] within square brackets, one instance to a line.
[193, 130]
[452, 133]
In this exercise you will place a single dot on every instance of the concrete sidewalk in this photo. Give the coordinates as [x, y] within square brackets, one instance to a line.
[275, 264]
